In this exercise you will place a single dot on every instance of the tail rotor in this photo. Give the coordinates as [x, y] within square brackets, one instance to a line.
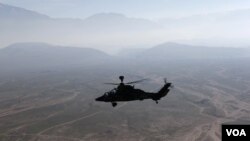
[166, 82]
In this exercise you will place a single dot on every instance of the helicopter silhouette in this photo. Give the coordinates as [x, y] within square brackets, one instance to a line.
[127, 92]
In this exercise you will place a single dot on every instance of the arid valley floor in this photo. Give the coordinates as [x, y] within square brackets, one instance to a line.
[60, 106]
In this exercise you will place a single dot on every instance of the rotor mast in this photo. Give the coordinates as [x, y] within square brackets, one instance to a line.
[121, 78]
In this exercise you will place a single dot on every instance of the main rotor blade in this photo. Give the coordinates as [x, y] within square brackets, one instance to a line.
[112, 83]
[138, 81]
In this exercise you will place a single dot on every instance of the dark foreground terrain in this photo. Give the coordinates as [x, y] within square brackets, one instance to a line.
[58, 105]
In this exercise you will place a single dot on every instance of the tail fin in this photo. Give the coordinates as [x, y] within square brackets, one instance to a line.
[163, 92]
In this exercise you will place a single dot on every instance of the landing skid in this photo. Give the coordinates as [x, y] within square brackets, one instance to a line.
[114, 104]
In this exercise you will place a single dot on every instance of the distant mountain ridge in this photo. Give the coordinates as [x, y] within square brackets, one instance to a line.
[114, 30]
[17, 22]
[11, 12]
[30, 56]
[119, 21]
[40, 55]
[44, 48]
[172, 50]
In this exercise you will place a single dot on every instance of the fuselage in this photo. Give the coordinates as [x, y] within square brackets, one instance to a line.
[136, 95]
[128, 93]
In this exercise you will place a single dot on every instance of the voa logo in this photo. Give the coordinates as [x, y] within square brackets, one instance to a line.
[236, 132]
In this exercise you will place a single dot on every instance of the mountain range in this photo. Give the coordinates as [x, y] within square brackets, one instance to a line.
[40, 56]
[8, 12]
[175, 51]
[21, 25]
[109, 31]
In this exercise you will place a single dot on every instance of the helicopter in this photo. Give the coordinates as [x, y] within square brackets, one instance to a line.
[127, 92]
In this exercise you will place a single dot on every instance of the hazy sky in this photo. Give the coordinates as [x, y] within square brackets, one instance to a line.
[150, 9]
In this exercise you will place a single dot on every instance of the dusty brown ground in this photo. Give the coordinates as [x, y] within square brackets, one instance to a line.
[61, 107]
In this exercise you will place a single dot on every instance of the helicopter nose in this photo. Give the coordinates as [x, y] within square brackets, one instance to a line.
[99, 98]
